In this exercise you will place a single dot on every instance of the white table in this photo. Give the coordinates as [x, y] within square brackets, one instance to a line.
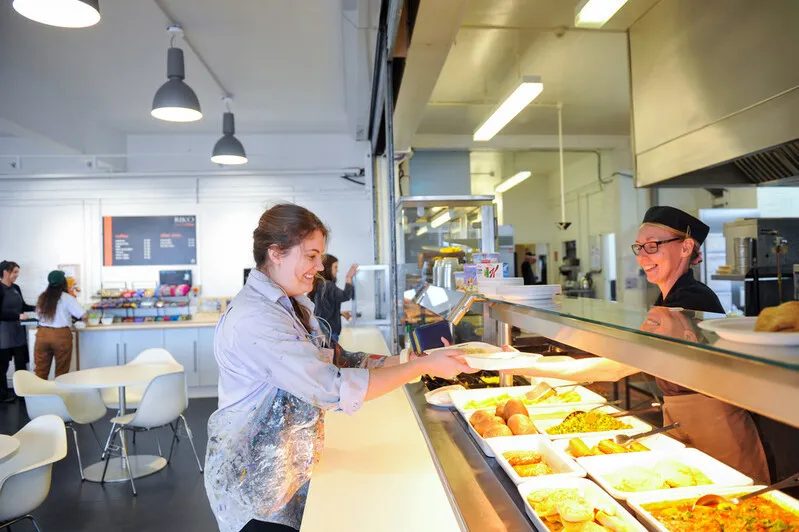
[140, 465]
[8, 447]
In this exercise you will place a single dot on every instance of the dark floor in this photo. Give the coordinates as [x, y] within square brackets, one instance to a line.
[171, 500]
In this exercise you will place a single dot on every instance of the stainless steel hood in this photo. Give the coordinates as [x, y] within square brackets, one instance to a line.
[715, 93]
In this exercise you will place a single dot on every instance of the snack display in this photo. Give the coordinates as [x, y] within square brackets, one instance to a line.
[572, 510]
[596, 421]
[759, 514]
[572, 396]
[664, 475]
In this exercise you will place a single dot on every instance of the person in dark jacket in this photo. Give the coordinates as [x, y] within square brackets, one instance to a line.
[527, 269]
[328, 297]
[13, 337]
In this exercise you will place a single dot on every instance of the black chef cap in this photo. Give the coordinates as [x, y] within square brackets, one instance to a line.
[677, 221]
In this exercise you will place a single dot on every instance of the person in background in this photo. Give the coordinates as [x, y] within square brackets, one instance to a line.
[527, 269]
[56, 308]
[13, 337]
[277, 377]
[328, 297]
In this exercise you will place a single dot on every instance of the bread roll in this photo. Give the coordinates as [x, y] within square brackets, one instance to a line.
[784, 318]
[500, 410]
[497, 430]
[514, 406]
[486, 424]
[480, 415]
[520, 424]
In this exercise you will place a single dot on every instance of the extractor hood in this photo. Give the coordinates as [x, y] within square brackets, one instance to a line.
[715, 93]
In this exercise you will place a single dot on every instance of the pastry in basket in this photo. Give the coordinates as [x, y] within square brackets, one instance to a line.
[784, 318]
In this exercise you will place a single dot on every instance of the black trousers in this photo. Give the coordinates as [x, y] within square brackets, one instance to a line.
[261, 526]
[20, 357]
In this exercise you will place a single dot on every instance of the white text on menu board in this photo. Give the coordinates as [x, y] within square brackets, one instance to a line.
[122, 247]
[166, 240]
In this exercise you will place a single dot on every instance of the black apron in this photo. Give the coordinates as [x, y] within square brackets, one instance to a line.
[12, 333]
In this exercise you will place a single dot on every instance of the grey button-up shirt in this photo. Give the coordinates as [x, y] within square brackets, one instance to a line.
[275, 381]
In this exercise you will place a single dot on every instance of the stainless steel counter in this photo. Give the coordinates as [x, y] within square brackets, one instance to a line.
[481, 494]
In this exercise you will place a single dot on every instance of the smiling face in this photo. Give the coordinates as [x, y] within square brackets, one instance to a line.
[295, 270]
[670, 261]
[11, 277]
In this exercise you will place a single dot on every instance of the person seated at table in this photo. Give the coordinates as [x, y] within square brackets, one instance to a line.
[56, 308]
[278, 375]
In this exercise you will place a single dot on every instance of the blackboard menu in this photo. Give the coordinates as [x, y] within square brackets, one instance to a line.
[149, 240]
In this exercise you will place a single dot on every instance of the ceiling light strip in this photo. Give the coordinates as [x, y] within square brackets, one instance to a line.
[529, 88]
[596, 13]
[512, 181]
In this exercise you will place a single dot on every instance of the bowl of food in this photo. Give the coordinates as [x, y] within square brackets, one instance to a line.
[107, 320]
[525, 458]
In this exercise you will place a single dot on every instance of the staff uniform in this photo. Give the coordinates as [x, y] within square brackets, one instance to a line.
[13, 337]
[54, 338]
[276, 379]
[327, 303]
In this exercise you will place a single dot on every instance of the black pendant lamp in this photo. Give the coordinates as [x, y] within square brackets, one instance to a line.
[228, 149]
[61, 13]
[175, 101]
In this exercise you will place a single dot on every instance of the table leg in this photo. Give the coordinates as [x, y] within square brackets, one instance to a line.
[122, 412]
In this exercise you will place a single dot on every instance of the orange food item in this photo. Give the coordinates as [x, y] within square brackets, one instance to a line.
[520, 424]
[518, 458]
[757, 514]
[500, 410]
[497, 430]
[478, 416]
[486, 424]
[514, 406]
[533, 470]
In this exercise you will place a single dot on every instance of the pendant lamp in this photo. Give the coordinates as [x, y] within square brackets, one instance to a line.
[228, 149]
[62, 13]
[175, 101]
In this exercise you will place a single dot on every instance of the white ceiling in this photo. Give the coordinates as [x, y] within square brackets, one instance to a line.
[587, 71]
[284, 62]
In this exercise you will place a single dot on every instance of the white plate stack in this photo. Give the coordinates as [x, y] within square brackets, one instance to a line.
[488, 286]
[536, 292]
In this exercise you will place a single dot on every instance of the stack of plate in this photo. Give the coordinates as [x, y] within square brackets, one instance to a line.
[488, 286]
[538, 292]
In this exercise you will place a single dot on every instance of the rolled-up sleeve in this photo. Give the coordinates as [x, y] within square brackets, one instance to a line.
[276, 353]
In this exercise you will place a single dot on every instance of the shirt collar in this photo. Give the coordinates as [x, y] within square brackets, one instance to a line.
[261, 283]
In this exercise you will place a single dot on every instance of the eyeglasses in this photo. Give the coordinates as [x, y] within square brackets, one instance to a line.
[652, 247]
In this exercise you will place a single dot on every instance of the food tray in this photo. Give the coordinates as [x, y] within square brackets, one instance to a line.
[720, 474]
[460, 399]
[561, 464]
[637, 426]
[636, 502]
[482, 443]
[590, 490]
[657, 442]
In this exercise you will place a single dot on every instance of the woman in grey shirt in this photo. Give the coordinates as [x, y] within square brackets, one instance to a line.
[277, 376]
[13, 337]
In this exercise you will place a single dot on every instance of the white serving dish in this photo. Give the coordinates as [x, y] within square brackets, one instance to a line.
[461, 398]
[590, 491]
[494, 358]
[560, 464]
[107, 321]
[441, 397]
[93, 322]
[742, 330]
[657, 442]
[637, 426]
[722, 475]
[636, 502]
[528, 293]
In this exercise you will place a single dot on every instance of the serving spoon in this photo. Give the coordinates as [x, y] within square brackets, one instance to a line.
[711, 499]
[622, 439]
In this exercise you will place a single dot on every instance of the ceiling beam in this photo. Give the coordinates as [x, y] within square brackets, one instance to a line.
[434, 32]
[521, 142]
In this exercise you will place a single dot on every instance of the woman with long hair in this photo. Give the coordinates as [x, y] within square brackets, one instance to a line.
[277, 377]
[56, 308]
[13, 337]
[327, 297]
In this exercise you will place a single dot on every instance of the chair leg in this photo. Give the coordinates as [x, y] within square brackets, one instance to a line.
[174, 439]
[158, 442]
[130, 468]
[191, 441]
[34, 523]
[107, 455]
[134, 437]
[107, 443]
[96, 438]
[77, 449]
[177, 437]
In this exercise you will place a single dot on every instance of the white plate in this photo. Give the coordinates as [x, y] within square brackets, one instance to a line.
[482, 443]
[637, 426]
[637, 501]
[590, 491]
[494, 358]
[742, 330]
[658, 442]
[441, 397]
[560, 464]
[461, 399]
[599, 467]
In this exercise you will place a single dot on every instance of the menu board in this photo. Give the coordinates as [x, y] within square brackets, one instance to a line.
[149, 240]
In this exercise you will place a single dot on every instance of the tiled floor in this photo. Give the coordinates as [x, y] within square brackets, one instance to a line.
[171, 500]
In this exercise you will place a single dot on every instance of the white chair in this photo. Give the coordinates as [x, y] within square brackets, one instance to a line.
[25, 478]
[133, 394]
[81, 407]
[163, 403]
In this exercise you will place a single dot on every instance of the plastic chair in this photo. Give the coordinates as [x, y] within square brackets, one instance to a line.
[133, 394]
[25, 478]
[163, 403]
[74, 407]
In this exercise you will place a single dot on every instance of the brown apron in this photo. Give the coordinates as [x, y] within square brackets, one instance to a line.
[725, 432]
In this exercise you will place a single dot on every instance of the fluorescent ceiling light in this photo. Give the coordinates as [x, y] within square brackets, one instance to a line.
[61, 13]
[526, 92]
[513, 181]
[595, 13]
[421, 231]
[441, 219]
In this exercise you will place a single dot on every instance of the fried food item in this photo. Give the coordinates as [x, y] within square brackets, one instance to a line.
[500, 410]
[520, 424]
[533, 470]
[514, 406]
[637, 447]
[578, 448]
[519, 458]
[612, 522]
[486, 424]
[610, 447]
[478, 416]
[784, 318]
[497, 430]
